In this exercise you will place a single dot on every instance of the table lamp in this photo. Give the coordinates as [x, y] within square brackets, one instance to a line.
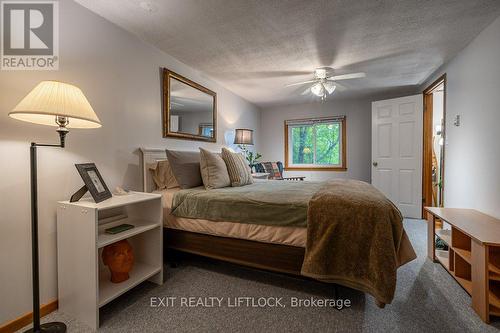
[243, 137]
[65, 106]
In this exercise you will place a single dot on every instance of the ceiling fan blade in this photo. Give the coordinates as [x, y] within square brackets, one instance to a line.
[305, 92]
[347, 76]
[340, 87]
[299, 83]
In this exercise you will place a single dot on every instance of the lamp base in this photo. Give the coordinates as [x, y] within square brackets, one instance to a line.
[54, 327]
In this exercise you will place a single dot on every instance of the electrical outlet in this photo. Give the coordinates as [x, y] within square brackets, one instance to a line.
[456, 122]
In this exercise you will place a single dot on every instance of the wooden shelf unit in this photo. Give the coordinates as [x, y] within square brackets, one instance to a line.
[473, 255]
[84, 284]
[445, 235]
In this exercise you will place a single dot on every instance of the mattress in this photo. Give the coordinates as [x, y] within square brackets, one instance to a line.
[286, 235]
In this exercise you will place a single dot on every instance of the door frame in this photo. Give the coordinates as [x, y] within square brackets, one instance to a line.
[427, 141]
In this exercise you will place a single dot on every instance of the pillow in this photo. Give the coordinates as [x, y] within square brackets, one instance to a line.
[163, 176]
[273, 170]
[185, 167]
[237, 167]
[213, 170]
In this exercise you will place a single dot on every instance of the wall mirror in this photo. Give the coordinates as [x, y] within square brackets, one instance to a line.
[189, 109]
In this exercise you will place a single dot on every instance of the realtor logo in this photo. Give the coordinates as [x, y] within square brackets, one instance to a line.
[30, 35]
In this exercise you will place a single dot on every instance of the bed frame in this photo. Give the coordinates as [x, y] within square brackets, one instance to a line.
[272, 257]
[277, 258]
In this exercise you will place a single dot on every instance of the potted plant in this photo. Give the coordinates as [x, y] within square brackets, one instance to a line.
[251, 157]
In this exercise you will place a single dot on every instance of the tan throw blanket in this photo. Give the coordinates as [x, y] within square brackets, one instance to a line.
[355, 237]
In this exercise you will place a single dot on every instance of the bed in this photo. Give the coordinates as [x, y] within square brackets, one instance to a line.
[280, 231]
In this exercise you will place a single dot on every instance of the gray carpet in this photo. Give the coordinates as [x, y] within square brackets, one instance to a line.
[427, 300]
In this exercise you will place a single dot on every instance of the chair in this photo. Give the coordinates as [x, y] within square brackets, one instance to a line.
[275, 170]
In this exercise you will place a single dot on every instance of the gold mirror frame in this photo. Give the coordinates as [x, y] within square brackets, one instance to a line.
[167, 75]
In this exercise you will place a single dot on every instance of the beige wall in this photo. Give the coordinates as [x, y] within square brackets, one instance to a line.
[120, 76]
[358, 125]
[472, 156]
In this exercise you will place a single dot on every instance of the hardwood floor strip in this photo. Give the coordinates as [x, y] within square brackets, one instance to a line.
[27, 318]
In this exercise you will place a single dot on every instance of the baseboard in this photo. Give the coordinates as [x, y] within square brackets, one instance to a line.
[27, 319]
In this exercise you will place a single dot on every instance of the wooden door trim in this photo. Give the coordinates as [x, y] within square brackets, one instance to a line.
[427, 141]
[435, 84]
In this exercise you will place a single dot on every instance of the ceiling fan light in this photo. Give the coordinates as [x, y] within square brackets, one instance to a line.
[330, 87]
[320, 73]
[318, 89]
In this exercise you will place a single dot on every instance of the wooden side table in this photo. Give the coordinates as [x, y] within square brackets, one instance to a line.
[84, 284]
[473, 255]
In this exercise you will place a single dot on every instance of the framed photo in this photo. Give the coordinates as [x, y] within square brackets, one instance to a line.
[93, 181]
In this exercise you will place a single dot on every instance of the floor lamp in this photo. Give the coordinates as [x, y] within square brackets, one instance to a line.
[65, 106]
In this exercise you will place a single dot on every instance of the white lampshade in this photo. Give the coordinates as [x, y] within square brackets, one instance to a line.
[318, 89]
[50, 99]
[330, 87]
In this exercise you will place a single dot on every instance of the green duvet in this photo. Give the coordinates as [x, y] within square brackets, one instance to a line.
[276, 203]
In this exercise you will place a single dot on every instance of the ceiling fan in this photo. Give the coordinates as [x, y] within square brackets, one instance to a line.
[323, 84]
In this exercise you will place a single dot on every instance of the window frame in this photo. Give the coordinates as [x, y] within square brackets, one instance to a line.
[317, 167]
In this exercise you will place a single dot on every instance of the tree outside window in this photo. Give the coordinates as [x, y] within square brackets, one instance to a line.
[315, 143]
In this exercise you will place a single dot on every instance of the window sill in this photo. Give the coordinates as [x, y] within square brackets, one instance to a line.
[315, 169]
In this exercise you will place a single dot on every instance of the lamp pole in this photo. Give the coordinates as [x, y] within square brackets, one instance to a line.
[53, 326]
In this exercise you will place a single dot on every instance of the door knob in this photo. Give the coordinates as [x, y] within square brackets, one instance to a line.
[375, 164]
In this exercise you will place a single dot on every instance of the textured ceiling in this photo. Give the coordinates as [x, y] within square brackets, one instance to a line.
[255, 47]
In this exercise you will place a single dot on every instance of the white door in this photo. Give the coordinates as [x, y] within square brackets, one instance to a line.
[397, 152]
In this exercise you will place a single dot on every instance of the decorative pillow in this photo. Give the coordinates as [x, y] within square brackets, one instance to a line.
[213, 170]
[237, 167]
[185, 167]
[163, 176]
[273, 170]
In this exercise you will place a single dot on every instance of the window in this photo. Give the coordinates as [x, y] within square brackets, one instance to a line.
[316, 143]
[206, 130]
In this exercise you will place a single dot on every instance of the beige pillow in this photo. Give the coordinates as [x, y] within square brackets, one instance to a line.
[237, 167]
[163, 176]
[213, 170]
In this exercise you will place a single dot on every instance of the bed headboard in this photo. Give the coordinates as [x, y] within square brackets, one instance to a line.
[150, 156]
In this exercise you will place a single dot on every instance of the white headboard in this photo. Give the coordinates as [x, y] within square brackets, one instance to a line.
[150, 156]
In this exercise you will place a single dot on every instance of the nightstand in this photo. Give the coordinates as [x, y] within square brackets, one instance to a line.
[260, 175]
[84, 284]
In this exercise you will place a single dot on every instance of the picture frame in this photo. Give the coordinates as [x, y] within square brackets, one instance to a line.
[93, 181]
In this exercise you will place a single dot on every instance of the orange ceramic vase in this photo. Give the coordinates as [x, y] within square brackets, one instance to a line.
[119, 258]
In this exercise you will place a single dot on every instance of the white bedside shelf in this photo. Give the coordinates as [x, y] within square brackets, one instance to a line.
[83, 280]
[108, 290]
[140, 226]
[115, 200]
